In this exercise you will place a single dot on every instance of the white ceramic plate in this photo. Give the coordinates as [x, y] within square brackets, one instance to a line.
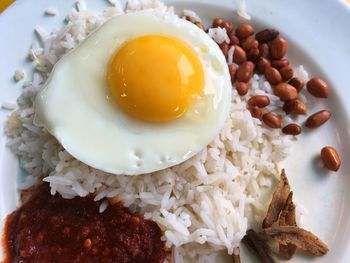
[319, 36]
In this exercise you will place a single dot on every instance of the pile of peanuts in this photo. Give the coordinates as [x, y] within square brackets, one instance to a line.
[265, 53]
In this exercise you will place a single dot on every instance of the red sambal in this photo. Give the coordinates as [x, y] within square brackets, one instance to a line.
[50, 229]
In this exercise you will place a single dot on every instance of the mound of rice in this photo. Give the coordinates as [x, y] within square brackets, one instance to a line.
[203, 205]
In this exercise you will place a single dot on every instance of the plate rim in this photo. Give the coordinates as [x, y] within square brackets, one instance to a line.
[342, 99]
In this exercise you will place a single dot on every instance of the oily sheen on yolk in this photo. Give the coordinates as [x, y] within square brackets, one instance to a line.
[155, 78]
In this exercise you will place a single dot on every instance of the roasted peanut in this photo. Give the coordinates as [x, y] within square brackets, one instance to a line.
[232, 69]
[244, 30]
[279, 63]
[286, 73]
[297, 83]
[292, 129]
[318, 118]
[262, 64]
[289, 107]
[285, 92]
[264, 50]
[260, 101]
[253, 54]
[273, 76]
[242, 88]
[266, 35]
[279, 47]
[217, 22]
[256, 112]
[239, 55]
[318, 88]
[245, 71]
[295, 106]
[330, 158]
[228, 25]
[272, 120]
[224, 48]
[234, 40]
[300, 107]
[249, 43]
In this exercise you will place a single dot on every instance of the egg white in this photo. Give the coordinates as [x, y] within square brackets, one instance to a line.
[76, 108]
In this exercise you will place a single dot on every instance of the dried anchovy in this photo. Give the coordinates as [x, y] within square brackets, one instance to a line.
[253, 242]
[235, 256]
[278, 202]
[299, 237]
[287, 218]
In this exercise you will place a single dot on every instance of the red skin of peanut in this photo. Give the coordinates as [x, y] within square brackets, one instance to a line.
[330, 158]
[318, 119]
[318, 88]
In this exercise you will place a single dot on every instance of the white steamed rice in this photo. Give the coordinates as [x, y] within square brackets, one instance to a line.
[203, 205]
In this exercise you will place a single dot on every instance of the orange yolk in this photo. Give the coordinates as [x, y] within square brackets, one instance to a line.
[155, 78]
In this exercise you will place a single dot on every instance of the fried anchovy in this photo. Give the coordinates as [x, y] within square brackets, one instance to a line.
[299, 237]
[253, 242]
[278, 202]
[235, 256]
[287, 218]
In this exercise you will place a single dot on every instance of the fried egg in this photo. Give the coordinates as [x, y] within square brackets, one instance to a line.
[144, 92]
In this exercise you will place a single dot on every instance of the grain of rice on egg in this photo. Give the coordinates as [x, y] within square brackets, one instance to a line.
[204, 204]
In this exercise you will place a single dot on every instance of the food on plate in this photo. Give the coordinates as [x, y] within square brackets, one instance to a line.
[286, 73]
[297, 83]
[242, 88]
[244, 31]
[47, 228]
[292, 129]
[280, 224]
[179, 70]
[122, 92]
[258, 245]
[279, 200]
[272, 120]
[299, 107]
[279, 48]
[239, 55]
[318, 88]
[288, 218]
[236, 257]
[19, 75]
[317, 119]
[299, 237]
[330, 158]
[285, 92]
[279, 63]
[264, 51]
[174, 127]
[249, 43]
[51, 12]
[261, 101]
[245, 71]
[296, 106]
[272, 75]
[266, 35]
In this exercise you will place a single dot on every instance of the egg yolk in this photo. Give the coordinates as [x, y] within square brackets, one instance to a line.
[155, 78]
